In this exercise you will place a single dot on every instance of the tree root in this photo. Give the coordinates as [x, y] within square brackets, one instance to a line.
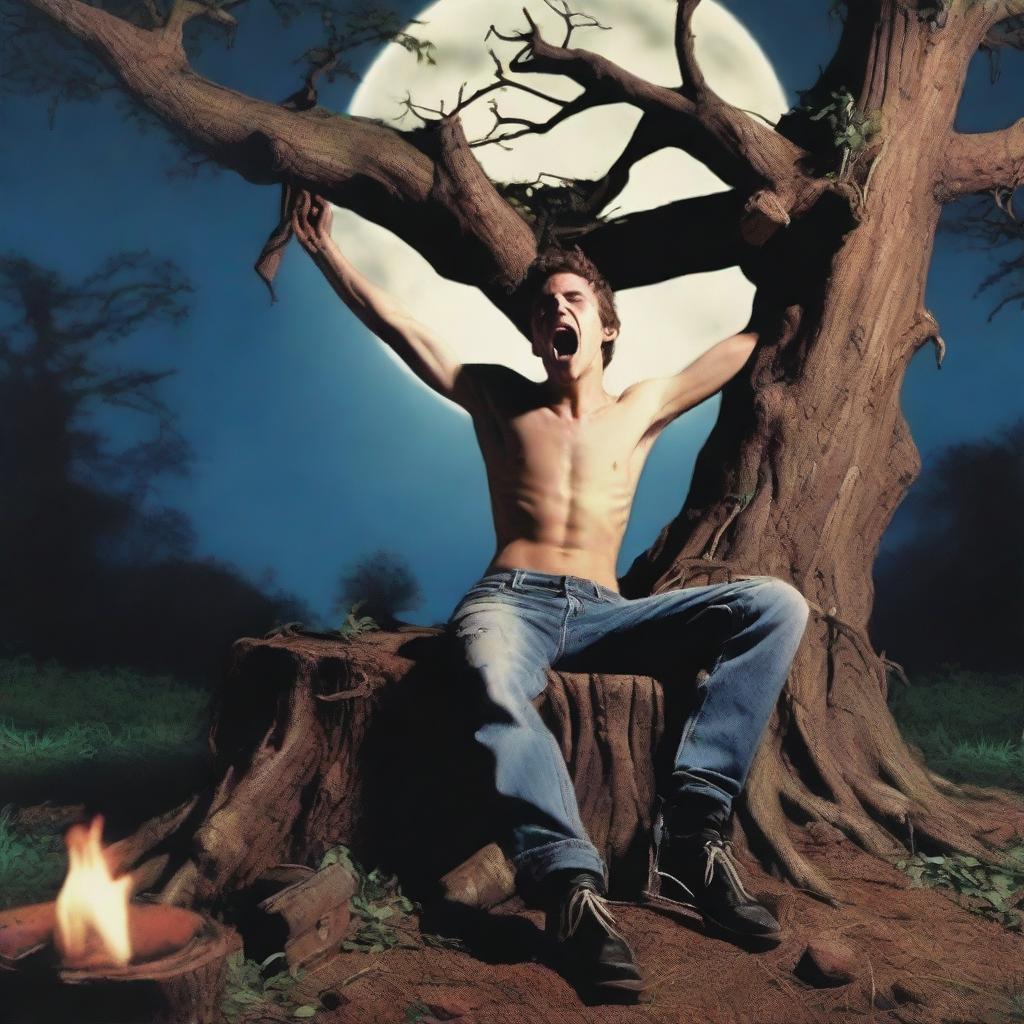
[877, 791]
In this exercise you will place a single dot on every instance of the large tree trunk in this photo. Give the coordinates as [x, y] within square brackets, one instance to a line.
[809, 459]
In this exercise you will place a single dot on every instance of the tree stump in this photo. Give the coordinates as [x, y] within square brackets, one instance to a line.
[364, 742]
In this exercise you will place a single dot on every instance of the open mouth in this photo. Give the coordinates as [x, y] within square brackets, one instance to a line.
[565, 341]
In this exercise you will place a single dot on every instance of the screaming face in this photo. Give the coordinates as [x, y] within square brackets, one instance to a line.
[566, 324]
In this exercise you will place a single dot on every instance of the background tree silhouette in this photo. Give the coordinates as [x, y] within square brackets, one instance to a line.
[93, 572]
[955, 592]
[384, 583]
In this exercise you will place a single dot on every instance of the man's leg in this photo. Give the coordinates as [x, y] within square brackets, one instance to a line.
[504, 640]
[503, 645]
[767, 620]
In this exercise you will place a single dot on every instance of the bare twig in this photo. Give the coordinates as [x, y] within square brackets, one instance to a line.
[561, 8]
[737, 506]
[896, 668]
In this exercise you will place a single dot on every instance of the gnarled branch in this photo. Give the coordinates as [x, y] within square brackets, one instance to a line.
[468, 231]
[982, 161]
[994, 12]
[183, 11]
[743, 152]
[656, 240]
[353, 162]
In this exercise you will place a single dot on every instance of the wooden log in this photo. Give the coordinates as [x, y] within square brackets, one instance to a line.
[25, 931]
[483, 880]
[180, 981]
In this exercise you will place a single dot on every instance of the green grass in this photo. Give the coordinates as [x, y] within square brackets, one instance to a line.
[47, 696]
[71, 737]
[968, 725]
[117, 742]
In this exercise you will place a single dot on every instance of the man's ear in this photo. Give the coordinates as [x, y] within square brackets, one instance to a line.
[610, 333]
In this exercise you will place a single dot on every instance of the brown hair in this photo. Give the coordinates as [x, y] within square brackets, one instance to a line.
[567, 261]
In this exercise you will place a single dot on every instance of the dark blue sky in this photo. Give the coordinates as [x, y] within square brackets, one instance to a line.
[311, 447]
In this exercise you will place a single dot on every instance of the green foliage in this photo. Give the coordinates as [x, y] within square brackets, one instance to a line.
[250, 988]
[59, 748]
[57, 727]
[992, 891]
[354, 624]
[32, 862]
[377, 902]
[852, 129]
[968, 725]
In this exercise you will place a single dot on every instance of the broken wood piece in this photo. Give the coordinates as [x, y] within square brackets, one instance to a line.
[483, 880]
[314, 912]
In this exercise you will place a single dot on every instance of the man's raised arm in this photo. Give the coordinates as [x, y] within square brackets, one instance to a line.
[421, 350]
[664, 398]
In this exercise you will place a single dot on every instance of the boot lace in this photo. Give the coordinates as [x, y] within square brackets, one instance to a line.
[719, 852]
[583, 901]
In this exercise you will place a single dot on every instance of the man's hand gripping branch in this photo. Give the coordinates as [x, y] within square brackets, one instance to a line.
[415, 344]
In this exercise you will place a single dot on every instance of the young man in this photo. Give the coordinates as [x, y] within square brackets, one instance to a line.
[563, 459]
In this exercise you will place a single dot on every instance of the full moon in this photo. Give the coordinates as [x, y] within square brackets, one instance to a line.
[664, 326]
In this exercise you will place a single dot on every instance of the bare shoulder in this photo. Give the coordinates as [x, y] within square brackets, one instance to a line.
[641, 402]
[493, 387]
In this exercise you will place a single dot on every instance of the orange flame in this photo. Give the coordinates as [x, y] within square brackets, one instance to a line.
[92, 907]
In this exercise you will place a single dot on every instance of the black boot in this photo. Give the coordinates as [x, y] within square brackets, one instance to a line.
[700, 870]
[596, 955]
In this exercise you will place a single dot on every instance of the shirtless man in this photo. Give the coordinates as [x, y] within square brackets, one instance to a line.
[563, 459]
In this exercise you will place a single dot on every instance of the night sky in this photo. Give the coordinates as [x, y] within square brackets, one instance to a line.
[311, 447]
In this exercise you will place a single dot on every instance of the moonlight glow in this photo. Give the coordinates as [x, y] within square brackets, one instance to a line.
[664, 326]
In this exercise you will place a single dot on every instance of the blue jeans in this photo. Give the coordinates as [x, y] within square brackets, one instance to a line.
[514, 623]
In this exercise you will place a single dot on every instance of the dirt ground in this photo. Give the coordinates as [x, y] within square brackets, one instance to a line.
[917, 958]
[915, 955]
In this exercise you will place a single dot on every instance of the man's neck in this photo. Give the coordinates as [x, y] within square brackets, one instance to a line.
[574, 399]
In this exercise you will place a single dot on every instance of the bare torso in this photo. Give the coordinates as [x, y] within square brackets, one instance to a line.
[561, 489]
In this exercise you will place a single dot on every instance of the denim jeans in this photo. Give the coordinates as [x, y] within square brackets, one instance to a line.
[514, 623]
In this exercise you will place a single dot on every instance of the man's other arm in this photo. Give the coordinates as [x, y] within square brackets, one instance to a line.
[664, 398]
[414, 343]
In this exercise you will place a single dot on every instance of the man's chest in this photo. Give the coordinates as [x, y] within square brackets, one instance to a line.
[537, 449]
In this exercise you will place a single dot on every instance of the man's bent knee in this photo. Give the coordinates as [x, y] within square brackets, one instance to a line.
[783, 598]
